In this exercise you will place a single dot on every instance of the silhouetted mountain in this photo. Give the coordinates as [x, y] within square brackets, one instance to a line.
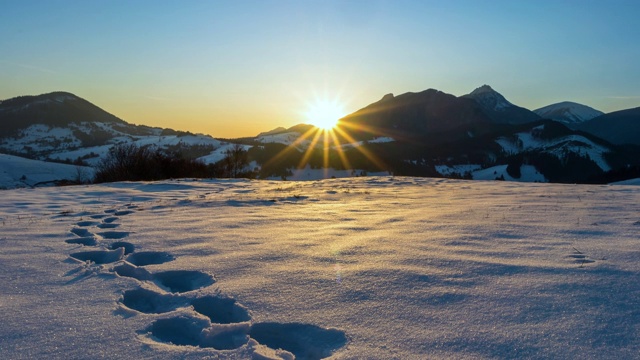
[568, 112]
[412, 116]
[275, 131]
[499, 109]
[618, 127]
[56, 109]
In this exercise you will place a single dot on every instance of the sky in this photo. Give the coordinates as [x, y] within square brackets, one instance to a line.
[237, 68]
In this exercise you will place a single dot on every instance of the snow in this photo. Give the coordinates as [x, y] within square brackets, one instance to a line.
[286, 138]
[41, 138]
[558, 146]
[101, 151]
[382, 139]
[628, 182]
[446, 170]
[490, 99]
[307, 173]
[159, 141]
[528, 173]
[20, 172]
[568, 112]
[220, 153]
[368, 267]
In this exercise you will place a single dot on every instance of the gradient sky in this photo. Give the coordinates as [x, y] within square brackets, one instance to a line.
[236, 68]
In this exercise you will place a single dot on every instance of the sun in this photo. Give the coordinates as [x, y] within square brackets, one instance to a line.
[325, 113]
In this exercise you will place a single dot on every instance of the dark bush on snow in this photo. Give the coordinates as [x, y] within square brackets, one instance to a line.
[129, 162]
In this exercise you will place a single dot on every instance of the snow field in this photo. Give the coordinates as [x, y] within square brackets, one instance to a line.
[372, 267]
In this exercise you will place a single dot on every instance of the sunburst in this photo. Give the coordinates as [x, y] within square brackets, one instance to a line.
[324, 113]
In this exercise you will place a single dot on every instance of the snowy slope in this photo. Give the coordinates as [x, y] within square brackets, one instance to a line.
[499, 109]
[528, 174]
[489, 98]
[527, 141]
[16, 172]
[568, 112]
[219, 153]
[360, 268]
[286, 138]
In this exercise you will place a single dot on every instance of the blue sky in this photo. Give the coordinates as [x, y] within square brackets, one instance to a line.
[236, 68]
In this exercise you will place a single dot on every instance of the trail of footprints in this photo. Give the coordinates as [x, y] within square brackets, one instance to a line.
[215, 321]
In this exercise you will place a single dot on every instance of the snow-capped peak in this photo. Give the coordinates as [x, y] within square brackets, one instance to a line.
[489, 98]
[568, 112]
[482, 90]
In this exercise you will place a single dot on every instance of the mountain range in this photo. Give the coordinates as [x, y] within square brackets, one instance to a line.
[480, 135]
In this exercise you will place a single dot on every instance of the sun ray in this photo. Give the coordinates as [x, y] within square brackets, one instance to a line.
[325, 153]
[309, 151]
[369, 155]
[340, 150]
[292, 147]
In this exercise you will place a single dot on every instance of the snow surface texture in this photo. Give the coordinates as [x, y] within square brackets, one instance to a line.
[373, 267]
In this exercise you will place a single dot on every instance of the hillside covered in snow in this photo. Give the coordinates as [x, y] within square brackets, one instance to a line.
[480, 135]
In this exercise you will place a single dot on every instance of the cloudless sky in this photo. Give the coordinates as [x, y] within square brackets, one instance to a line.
[236, 68]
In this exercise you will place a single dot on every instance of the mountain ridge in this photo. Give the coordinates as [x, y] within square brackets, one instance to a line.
[499, 108]
[568, 112]
[427, 133]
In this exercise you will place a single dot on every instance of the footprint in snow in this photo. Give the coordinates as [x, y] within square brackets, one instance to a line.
[173, 281]
[145, 258]
[99, 256]
[84, 240]
[80, 232]
[219, 309]
[221, 322]
[86, 223]
[127, 246]
[150, 302]
[108, 225]
[180, 281]
[113, 235]
[305, 341]
[186, 330]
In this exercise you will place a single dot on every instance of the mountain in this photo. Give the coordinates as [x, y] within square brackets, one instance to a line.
[277, 130]
[61, 126]
[499, 109]
[412, 116]
[56, 109]
[618, 127]
[429, 133]
[545, 151]
[568, 112]
[478, 136]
